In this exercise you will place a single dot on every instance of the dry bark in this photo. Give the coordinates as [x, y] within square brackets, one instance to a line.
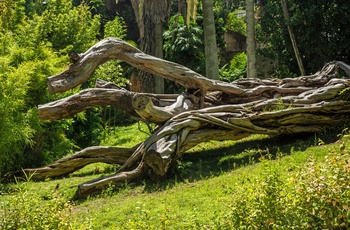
[207, 110]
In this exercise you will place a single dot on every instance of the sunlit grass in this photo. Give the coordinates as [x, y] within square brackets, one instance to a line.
[202, 190]
[126, 136]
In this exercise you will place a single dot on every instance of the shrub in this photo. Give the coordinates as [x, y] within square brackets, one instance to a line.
[32, 37]
[236, 69]
[28, 210]
[316, 197]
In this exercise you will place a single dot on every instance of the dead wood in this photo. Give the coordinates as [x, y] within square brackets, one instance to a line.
[207, 110]
[69, 164]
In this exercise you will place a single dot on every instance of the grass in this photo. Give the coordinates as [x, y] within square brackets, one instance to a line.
[216, 185]
[126, 136]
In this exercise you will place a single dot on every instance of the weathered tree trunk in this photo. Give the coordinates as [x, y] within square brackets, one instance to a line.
[251, 47]
[207, 110]
[210, 46]
[151, 16]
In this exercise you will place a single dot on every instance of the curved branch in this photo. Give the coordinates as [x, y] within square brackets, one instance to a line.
[96, 186]
[85, 99]
[114, 48]
[136, 105]
[229, 111]
[144, 106]
[67, 165]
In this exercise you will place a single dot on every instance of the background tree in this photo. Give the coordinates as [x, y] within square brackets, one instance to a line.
[251, 47]
[151, 16]
[210, 45]
[292, 38]
[184, 42]
[321, 35]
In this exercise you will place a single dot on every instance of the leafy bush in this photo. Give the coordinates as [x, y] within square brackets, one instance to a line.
[184, 44]
[315, 197]
[236, 69]
[32, 37]
[235, 24]
[26, 141]
[27, 210]
[67, 27]
[116, 28]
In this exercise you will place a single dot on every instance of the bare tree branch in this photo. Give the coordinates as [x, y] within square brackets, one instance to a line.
[207, 110]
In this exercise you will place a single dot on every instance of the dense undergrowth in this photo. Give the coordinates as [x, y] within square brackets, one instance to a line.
[285, 182]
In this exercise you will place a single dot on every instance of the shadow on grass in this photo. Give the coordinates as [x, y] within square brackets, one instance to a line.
[201, 164]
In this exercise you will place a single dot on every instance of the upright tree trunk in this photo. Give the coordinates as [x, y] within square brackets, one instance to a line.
[251, 50]
[158, 51]
[211, 52]
[292, 38]
[151, 16]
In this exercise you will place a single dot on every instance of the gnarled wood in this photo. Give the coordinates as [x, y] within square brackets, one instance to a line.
[114, 48]
[85, 99]
[69, 164]
[208, 110]
[144, 107]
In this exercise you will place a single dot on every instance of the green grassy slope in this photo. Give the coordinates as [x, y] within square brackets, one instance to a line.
[299, 181]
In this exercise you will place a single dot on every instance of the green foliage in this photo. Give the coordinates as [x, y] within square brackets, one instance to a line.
[28, 210]
[111, 71]
[116, 28]
[86, 128]
[345, 94]
[235, 24]
[315, 197]
[68, 27]
[11, 14]
[236, 69]
[184, 44]
[229, 75]
[321, 36]
[32, 35]
[25, 141]
[239, 61]
[283, 71]
[15, 135]
[280, 105]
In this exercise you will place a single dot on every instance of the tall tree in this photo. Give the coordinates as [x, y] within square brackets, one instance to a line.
[251, 49]
[318, 26]
[151, 15]
[211, 50]
[292, 38]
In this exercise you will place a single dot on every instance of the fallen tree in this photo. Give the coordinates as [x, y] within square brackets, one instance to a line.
[206, 110]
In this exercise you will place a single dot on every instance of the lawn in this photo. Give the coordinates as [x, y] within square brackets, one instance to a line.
[261, 182]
